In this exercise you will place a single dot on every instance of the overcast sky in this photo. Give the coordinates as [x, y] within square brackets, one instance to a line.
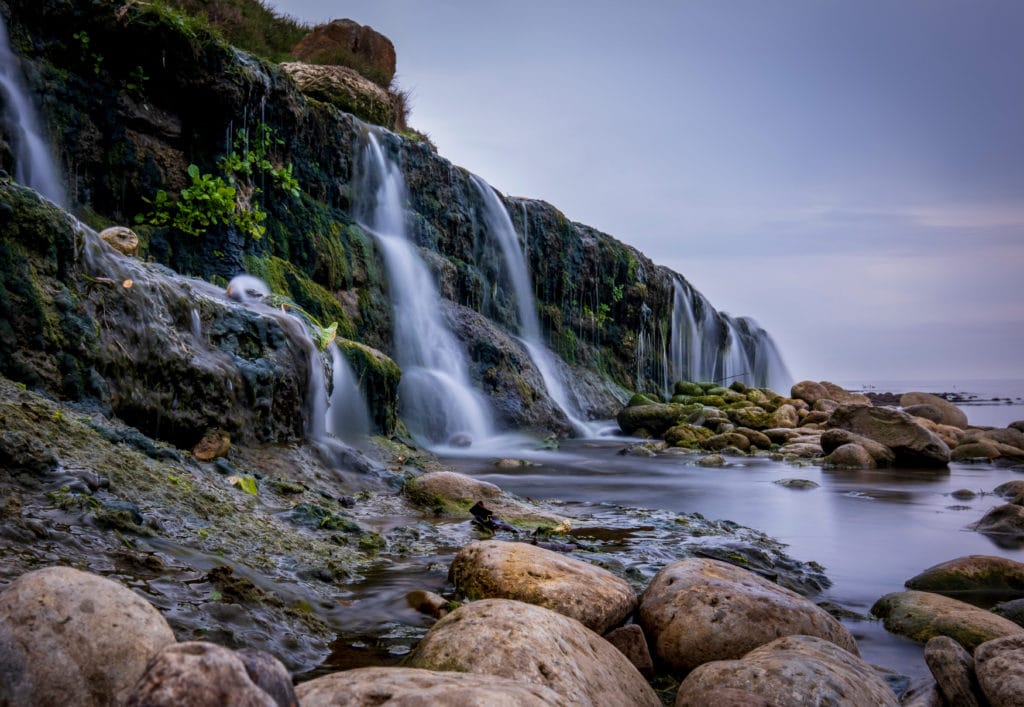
[849, 174]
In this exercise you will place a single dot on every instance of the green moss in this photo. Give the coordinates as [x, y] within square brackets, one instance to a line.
[378, 377]
[283, 278]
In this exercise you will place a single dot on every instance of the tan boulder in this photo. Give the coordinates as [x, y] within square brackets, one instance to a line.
[912, 444]
[351, 44]
[449, 493]
[632, 643]
[999, 665]
[214, 444]
[850, 456]
[510, 639]
[981, 574]
[950, 414]
[345, 89]
[832, 439]
[843, 396]
[123, 240]
[953, 669]
[809, 391]
[785, 416]
[413, 687]
[792, 670]
[699, 610]
[923, 615]
[492, 569]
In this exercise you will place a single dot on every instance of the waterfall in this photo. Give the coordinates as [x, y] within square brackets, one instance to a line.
[499, 224]
[708, 346]
[33, 163]
[439, 404]
[348, 417]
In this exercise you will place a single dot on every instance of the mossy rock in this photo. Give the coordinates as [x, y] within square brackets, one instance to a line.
[707, 385]
[979, 574]
[682, 399]
[688, 388]
[753, 417]
[641, 399]
[655, 418]
[285, 279]
[923, 615]
[717, 390]
[715, 401]
[738, 386]
[378, 377]
[686, 435]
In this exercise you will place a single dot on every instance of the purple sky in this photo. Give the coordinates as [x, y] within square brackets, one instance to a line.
[849, 174]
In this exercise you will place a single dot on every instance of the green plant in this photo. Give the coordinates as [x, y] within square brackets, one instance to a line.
[84, 43]
[137, 80]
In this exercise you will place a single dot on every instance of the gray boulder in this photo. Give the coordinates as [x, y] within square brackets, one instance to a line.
[850, 456]
[999, 665]
[72, 638]
[699, 610]
[1007, 519]
[953, 669]
[912, 444]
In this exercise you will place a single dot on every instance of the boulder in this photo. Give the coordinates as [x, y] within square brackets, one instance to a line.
[800, 450]
[688, 388]
[818, 417]
[953, 669]
[270, 675]
[785, 416]
[1007, 435]
[70, 637]
[123, 240]
[757, 439]
[999, 665]
[712, 461]
[755, 418]
[686, 435]
[719, 442]
[1007, 519]
[698, 610]
[834, 438]
[843, 396]
[197, 673]
[412, 687]
[925, 411]
[1012, 610]
[922, 615]
[344, 88]
[974, 450]
[350, 44]
[427, 603]
[792, 670]
[809, 391]
[510, 639]
[1012, 491]
[949, 414]
[632, 643]
[850, 456]
[982, 574]
[656, 419]
[492, 569]
[449, 493]
[911, 444]
[825, 405]
[213, 445]
[801, 484]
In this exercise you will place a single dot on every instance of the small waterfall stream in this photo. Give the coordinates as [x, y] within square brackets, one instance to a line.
[439, 403]
[499, 224]
[34, 165]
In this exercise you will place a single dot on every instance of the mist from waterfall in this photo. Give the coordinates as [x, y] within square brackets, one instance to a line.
[34, 165]
[439, 404]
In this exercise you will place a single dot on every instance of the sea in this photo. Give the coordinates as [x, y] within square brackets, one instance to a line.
[993, 402]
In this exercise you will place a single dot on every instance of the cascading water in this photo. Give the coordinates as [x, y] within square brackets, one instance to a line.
[499, 224]
[34, 165]
[348, 418]
[439, 404]
[708, 346]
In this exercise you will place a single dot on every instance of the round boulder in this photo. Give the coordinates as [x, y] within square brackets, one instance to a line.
[492, 569]
[1012, 491]
[911, 443]
[850, 456]
[949, 414]
[197, 673]
[999, 665]
[656, 418]
[793, 670]
[510, 639]
[921, 616]
[352, 44]
[412, 687]
[70, 637]
[983, 574]
[123, 240]
[699, 610]
[454, 494]
[969, 451]
[809, 391]
[1007, 519]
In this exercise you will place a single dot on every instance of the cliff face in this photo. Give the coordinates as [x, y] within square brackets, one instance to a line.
[135, 94]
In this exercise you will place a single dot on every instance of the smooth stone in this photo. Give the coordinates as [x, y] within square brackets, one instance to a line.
[427, 603]
[850, 456]
[785, 416]
[1007, 435]
[720, 697]
[1007, 519]
[197, 673]
[801, 484]
[809, 391]
[655, 418]
[1012, 491]
[1012, 610]
[949, 414]
[510, 639]
[720, 442]
[843, 396]
[921, 616]
[123, 240]
[999, 665]
[923, 692]
[493, 569]
[686, 435]
[974, 450]
[413, 687]
[792, 670]
[800, 450]
[757, 439]
[213, 445]
[632, 643]
[912, 444]
[454, 494]
[953, 670]
[270, 675]
[925, 411]
[72, 638]
[712, 461]
[698, 610]
[973, 573]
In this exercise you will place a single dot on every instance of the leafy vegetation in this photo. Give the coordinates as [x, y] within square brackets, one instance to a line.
[249, 25]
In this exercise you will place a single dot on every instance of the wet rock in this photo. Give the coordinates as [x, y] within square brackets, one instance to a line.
[655, 419]
[974, 450]
[688, 388]
[800, 484]
[1012, 491]
[1012, 610]
[70, 637]
[1008, 436]
[850, 456]
[344, 88]
[454, 494]
[123, 240]
[686, 435]
[270, 675]
[720, 442]
[492, 569]
[999, 665]
[643, 449]
[632, 643]
[779, 435]
[791, 670]
[349, 43]
[757, 439]
[964, 495]
[923, 692]
[213, 445]
[800, 450]
[922, 615]
[815, 418]
[924, 411]
[197, 673]
[911, 443]
[984, 574]
[953, 669]
[1007, 520]
[755, 418]
[428, 603]
[413, 687]
[699, 610]
[504, 638]
[712, 461]
[20, 452]
[948, 413]
[809, 391]
[785, 416]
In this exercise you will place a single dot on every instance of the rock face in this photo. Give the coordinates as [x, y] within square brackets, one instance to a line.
[999, 665]
[197, 673]
[923, 615]
[791, 670]
[699, 610]
[953, 669]
[69, 637]
[511, 639]
[344, 88]
[973, 573]
[412, 687]
[911, 443]
[949, 414]
[350, 44]
[493, 569]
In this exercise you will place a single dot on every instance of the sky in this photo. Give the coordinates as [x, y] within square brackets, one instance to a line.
[850, 174]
